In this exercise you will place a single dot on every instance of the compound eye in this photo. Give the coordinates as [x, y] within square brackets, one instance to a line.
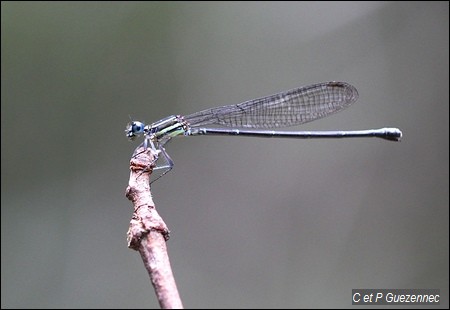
[137, 127]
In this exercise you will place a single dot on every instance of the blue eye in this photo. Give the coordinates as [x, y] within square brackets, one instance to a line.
[137, 127]
[134, 129]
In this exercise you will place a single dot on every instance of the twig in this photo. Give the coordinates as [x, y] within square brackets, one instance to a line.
[148, 233]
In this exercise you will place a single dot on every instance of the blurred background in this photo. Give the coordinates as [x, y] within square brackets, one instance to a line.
[255, 223]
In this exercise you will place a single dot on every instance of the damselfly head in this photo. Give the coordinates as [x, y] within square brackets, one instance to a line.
[134, 129]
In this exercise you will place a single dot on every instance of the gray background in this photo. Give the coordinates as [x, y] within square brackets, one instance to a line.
[255, 222]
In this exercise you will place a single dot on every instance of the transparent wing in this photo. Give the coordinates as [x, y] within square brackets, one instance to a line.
[289, 108]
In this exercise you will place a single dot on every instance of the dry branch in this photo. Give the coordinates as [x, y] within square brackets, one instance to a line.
[148, 233]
